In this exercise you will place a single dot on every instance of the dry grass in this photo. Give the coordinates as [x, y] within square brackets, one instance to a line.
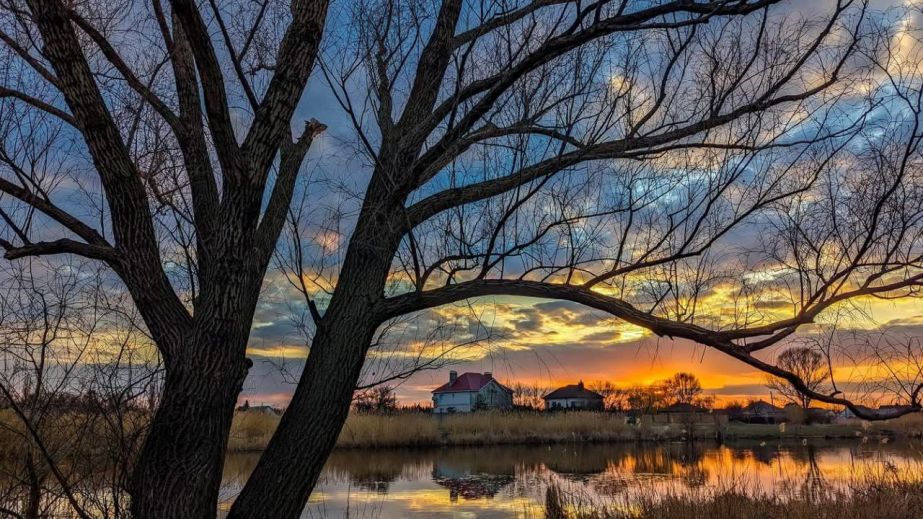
[909, 425]
[484, 428]
[251, 431]
[879, 496]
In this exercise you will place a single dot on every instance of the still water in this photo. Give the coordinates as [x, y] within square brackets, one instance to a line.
[510, 481]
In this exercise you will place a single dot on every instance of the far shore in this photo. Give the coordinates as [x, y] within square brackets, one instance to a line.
[251, 430]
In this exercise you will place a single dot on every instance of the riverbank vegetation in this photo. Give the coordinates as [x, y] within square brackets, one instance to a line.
[251, 430]
[876, 495]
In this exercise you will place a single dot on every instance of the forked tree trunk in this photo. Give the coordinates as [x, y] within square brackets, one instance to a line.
[282, 481]
[178, 475]
[279, 486]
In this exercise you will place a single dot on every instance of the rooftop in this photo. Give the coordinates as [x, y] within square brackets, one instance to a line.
[467, 382]
[573, 391]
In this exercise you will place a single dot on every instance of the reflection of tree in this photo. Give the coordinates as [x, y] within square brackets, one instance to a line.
[576, 462]
[759, 451]
[375, 473]
[814, 485]
[692, 470]
[765, 454]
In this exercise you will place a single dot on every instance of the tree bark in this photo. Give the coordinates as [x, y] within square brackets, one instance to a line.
[178, 474]
[281, 483]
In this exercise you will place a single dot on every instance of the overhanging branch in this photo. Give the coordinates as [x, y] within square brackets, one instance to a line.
[416, 301]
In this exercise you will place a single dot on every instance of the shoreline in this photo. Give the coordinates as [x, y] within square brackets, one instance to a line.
[419, 430]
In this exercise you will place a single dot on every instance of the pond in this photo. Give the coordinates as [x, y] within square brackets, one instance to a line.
[510, 481]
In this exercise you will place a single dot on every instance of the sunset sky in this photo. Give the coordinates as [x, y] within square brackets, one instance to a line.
[541, 342]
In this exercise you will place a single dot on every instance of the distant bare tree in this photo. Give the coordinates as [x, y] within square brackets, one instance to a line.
[810, 367]
[529, 395]
[74, 377]
[682, 388]
[613, 397]
[377, 399]
[599, 153]
[646, 399]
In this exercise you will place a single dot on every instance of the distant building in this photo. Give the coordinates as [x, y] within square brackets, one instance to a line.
[686, 414]
[574, 396]
[761, 412]
[797, 413]
[258, 409]
[846, 414]
[469, 392]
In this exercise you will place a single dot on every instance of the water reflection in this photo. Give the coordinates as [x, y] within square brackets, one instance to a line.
[509, 481]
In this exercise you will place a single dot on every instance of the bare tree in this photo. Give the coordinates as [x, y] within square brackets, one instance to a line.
[376, 399]
[810, 367]
[73, 374]
[595, 152]
[646, 398]
[682, 388]
[528, 396]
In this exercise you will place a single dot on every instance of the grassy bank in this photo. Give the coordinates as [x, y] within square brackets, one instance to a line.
[880, 496]
[251, 431]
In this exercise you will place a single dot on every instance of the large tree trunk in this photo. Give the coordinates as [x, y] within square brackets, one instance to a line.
[282, 481]
[287, 471]
[178, 474]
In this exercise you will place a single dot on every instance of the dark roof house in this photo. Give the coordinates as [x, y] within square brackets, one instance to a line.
[574, 396]
[761, 412]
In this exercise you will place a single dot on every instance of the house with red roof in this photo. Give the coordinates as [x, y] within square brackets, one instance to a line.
[469, 392]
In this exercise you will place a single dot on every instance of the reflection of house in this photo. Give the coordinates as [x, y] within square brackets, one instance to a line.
[573, 397]
[476, 486]
[761, 412]
[471, 476]
[687, 414]
[470, 391]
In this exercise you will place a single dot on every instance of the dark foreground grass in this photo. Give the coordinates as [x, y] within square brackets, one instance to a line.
[879, 496]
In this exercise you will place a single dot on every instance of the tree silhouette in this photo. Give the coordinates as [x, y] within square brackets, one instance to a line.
[810, 366]
[594, 152]
[682, 388]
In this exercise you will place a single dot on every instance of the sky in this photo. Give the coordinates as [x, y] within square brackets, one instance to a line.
[519, 340]
[538, 342]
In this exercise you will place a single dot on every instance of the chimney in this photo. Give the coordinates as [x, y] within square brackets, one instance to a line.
[580, 385]
[488, 374]
[452, 376]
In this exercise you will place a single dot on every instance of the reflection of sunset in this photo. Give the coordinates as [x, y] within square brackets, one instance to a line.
[401, 482]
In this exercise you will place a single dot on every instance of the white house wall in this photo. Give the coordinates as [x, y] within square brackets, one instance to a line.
[569, 403]
[492, 395]
[462, 402]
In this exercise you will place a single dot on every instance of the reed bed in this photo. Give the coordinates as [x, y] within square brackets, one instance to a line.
[881, 495]
[251, 431]
[484, 428]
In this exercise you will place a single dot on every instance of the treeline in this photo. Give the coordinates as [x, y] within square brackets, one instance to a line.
[681, 388]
